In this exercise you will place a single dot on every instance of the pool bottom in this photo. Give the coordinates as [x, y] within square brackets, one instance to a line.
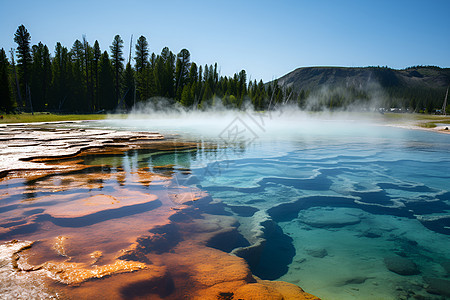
[172, 261]
[121, 232]
[351, 261]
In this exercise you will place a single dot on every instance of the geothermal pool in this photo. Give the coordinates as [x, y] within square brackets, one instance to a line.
[344, 208]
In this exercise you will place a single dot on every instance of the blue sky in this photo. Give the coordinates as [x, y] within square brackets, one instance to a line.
[266, 38]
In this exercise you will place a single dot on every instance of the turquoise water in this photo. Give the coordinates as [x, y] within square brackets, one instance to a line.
[346, 209]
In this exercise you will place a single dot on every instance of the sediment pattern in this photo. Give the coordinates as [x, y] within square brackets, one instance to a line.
[89, 224]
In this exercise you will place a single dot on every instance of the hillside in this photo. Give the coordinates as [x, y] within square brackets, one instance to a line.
[415, 87]
[314, 77]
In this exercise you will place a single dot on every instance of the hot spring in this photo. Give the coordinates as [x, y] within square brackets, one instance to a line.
[344, 207]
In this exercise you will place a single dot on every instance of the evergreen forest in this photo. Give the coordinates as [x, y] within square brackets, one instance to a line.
[88, 79]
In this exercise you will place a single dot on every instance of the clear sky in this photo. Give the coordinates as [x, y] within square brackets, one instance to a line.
[266, 38]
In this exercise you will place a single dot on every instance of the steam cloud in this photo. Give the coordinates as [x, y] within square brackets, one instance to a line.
[216, 121]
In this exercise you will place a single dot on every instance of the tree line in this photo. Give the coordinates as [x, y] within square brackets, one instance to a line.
[87, 79]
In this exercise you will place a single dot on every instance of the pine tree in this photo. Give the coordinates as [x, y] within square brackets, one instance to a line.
[77, 100]
[169, 75]
[95, 65]
[60, 88]
[183, 65]
[37, 75]
[41, 76]
[193, 73]
[142, 53]
[186, 96]
[88, 58]
[128, 87]
[6, 101]
[142, 69]
[158, 71]
[199, 91]
[22, 38]
[150, 89]
[242, 86]
[207, 96]
[215, 76]
[117, 64]
[47, 71]
[206, 73]
[193, 80]
[164, 73]
[106, 84]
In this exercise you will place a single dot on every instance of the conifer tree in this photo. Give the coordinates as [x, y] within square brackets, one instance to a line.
[22, 38]
[6, 101]
[88, 58]
[77, 100]
[106, 84]
[158, 70]
[193, 81]
[186, 96]
[142, 54]
[242, 86]
[117, 64]
[142, 71]
[164, 73]
[40, 76]
[128, 87]
[60, 88]
[95, 65]
[183, 65]
[168, 90]
[193, 73]
[47, 68]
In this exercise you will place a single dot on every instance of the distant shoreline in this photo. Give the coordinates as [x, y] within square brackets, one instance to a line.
[439, 129]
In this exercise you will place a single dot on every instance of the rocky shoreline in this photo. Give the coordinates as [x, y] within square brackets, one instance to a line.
[27, 146]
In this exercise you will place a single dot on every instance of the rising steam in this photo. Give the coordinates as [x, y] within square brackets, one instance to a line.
[287, 120]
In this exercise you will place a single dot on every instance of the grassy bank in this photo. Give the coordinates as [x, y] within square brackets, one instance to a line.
[421, 120]
[48, 117]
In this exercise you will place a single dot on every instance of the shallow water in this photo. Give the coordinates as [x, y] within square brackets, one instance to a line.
[333, 199]
[346, 195]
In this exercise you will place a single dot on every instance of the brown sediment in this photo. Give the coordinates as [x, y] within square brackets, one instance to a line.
[75, 273]
[172, 262]
[97, 236]
[265, 289]
[85, 206]
[145, 177]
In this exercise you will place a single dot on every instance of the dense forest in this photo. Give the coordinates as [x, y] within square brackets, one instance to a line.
[87, 79]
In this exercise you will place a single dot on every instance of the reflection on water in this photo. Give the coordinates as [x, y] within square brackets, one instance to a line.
[356, 219]
[130, 225]
[344, 217]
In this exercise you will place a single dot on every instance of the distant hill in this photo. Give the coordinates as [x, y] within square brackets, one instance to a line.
[314, 77]
[417, 87]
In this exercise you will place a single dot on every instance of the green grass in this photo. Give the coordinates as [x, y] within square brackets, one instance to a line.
[406, 116]
[421, 120]
[427, 125]
[47, 117]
